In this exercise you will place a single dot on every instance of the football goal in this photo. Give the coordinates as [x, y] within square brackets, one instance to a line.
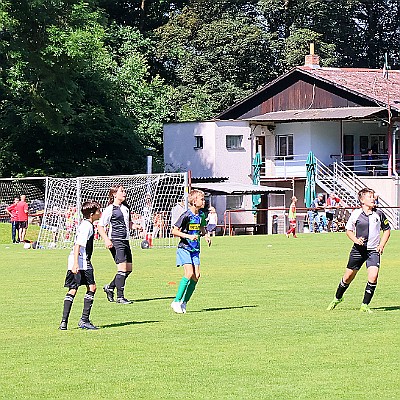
[151, 199]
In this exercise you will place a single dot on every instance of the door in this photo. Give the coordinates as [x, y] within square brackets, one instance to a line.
[348, 147]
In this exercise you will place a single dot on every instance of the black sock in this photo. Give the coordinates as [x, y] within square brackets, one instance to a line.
[369, 292]
[112, 284]
[120, 279]
[341, 289]
[87, 305]
[68, 300]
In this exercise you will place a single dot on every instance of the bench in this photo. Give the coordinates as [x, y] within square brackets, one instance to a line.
[236, 228]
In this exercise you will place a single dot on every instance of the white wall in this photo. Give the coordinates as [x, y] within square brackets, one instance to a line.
[233, 163]
[179, 151]
[325, 139]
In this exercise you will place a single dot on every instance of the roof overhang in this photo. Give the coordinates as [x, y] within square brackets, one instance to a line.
[237, 188]
[321, 114]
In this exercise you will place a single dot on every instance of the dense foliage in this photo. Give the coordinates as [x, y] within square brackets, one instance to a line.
[85, 86]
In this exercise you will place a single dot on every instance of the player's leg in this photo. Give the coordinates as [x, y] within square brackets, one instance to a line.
[192, 284]
[72, 282]
[122, 255]
[124, 266]
[88, 278]
[373, 271]
[183, 258]
[356, 260]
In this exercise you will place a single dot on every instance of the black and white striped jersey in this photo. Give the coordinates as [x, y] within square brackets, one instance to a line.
[368, 226]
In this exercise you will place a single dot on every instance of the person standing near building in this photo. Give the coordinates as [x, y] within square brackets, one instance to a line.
[116, 216]
[363, 229]
[212, 220]
[332, 204]
[292, 218]
[22, 217]
[12, 212]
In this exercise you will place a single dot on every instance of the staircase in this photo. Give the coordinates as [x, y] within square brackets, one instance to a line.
[341, 180]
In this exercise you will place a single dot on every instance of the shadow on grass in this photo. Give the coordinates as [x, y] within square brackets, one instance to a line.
[222, 308]
[127, 323]
[155, 298]
[388, 308]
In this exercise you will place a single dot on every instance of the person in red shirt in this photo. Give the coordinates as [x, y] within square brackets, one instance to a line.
[12, 211]
[22, 217]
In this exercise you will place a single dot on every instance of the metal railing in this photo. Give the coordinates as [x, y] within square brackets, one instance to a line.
[346, 184]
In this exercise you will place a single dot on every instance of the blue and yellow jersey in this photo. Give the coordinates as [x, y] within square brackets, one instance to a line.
[191, 224]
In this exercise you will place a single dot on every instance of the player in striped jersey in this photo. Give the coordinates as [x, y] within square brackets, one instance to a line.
[363, 229]
[80, 269]
[117, 218]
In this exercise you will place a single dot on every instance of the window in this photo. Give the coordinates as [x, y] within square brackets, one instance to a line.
[198, 144]
[284, 145]
[234, 202]
[234, 141]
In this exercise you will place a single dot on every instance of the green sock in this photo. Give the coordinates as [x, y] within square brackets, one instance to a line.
[182, 288]
[189, 291]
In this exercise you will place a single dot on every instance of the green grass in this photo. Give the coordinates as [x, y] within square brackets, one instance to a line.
[256, 327]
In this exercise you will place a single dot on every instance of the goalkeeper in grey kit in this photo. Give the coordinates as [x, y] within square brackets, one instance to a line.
[80, 269]
[116, 216]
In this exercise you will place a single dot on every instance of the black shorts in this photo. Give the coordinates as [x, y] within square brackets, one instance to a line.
[121, 251]
[359, 255]
[22, 224]
[84, 277]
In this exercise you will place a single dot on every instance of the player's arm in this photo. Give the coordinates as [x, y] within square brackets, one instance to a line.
[203, 232]
[351, 235]
[176, 231]
[385, 237]
[103, 222]
[75, 267]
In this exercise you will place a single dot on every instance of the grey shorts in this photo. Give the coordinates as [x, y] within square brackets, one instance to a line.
[359, 255]
[121, 251]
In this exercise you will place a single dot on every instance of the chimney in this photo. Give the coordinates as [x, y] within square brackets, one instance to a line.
[312, 60]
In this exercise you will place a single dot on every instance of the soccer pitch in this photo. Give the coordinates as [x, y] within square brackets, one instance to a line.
[256, 327]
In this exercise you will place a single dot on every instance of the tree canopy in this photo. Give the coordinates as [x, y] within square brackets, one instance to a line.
[85, 86]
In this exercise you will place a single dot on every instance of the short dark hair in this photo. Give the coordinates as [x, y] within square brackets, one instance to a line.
[89, 207]
[364, 191]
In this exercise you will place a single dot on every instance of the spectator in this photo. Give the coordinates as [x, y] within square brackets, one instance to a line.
[12, 211]
[319, 213]
[22, 217]
[332, 204]
[212, 221]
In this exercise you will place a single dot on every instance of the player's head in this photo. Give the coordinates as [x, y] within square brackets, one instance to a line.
[90, 208]
[212, 209]
[196, 197]
[16, 200]
[117, 192]
[366, 194]
[294, 199]
[23, 197]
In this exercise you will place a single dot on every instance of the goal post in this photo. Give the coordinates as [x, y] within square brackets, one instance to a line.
[151, 198]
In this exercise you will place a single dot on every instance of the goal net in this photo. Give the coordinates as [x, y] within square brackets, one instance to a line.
[33, 188]
[151, 199]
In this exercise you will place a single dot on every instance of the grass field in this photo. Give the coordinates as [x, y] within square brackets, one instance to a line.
[256, 327]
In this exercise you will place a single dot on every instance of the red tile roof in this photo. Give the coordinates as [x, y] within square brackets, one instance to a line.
[367, 82]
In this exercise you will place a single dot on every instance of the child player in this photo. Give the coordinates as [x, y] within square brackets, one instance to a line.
[292, 218]
[363, 228]
[80, 269]
[117, 217]
[189, 227]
